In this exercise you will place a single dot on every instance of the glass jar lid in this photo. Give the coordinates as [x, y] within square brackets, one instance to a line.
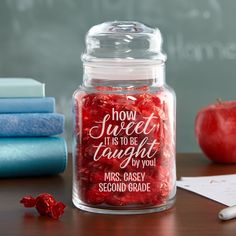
[123, 40]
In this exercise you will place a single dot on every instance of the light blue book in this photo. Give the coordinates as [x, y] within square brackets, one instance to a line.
[21, 87]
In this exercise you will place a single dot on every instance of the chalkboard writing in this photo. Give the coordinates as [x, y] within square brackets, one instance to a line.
[179, 48]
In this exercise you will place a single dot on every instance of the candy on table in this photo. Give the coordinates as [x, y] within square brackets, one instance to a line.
[32, 156]
[21, 87]
[31, 124]
[27, 105]
[45, 204]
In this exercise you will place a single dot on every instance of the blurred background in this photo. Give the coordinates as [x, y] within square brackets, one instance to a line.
[44, 39]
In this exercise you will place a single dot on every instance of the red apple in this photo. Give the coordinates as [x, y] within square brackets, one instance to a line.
[215, 129]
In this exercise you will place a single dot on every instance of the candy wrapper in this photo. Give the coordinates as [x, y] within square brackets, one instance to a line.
[45, 204]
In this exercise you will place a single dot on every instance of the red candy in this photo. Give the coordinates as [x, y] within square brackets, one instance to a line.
[45, 204]
[113, 132]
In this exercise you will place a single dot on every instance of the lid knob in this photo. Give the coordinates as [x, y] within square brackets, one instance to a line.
[119, 40]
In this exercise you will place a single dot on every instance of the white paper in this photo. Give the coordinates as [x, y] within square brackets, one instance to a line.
[220, 188]
[213, 177]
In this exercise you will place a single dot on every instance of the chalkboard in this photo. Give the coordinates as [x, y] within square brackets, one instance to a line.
[44, 39]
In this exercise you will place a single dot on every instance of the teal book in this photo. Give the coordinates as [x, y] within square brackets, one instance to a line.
[32, 156]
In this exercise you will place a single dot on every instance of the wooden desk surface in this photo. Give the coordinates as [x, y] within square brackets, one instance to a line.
[192, 215]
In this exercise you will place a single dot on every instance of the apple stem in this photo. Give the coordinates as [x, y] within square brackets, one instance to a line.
[219, 100]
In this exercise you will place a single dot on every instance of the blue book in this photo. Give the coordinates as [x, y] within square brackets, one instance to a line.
[27, 105]
[32, 156]
[31, 124]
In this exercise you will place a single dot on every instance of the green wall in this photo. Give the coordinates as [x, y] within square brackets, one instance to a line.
[44, 39]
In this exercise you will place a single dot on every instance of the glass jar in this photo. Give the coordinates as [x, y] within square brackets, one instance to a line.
[124, 123]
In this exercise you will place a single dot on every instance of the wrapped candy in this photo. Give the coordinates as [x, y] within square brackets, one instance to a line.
[45, 204]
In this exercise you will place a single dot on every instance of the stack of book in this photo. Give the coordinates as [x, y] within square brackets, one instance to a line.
[29, 126]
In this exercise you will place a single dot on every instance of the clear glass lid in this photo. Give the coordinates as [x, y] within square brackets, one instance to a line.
[123, 40]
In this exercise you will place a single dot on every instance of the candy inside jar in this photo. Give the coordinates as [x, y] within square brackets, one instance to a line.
[124, 124]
